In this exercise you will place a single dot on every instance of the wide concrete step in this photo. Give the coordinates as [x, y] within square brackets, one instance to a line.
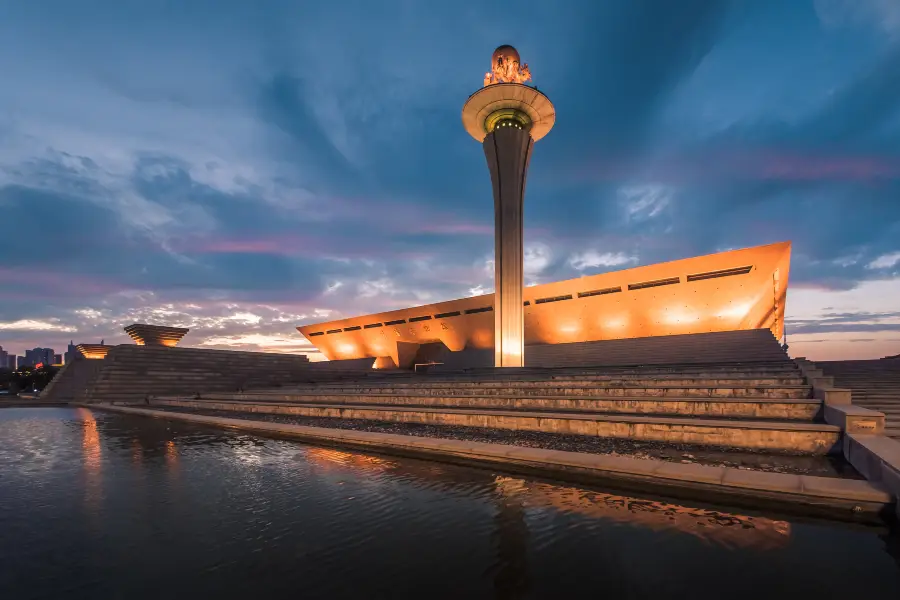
[588, 381]
[871, 383]
[694, 391]
[212, 371]
[597, 380]
[695, 368]
[770, 436]
[732, 408]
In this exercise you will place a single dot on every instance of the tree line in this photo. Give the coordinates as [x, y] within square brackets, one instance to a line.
[26, 379]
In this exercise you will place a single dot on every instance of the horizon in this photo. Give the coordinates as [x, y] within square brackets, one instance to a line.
[242, 171]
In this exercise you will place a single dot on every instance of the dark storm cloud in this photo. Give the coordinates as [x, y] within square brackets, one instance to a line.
[829, 220]
[83, 232]
[284, 102]
[625, 60]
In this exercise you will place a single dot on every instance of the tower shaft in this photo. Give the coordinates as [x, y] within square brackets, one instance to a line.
[508, 152]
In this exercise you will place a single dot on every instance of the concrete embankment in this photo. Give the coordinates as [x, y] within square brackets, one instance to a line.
[804, 494]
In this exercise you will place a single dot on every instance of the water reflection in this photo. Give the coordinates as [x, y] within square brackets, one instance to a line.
[723, 528]
[137, 454]
[171, 455]
[92, 461]
[330, 459]
[231, 515]
[510, 540]
[726, 529]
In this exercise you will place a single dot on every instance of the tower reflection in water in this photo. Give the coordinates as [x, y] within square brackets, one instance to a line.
[171, 456]
[93, 456]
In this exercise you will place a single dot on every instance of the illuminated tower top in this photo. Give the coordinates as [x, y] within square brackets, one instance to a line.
[506, 67]
[504, 100]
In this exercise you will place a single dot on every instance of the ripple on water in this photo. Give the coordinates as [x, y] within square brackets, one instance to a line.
[103, 505]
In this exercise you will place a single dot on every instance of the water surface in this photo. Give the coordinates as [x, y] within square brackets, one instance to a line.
[101, 505]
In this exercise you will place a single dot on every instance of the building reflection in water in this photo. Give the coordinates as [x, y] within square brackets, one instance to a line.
[92, 461]
[329, 459]
[724, 529]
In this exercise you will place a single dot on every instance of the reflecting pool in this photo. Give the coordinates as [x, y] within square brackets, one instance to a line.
[101, 505]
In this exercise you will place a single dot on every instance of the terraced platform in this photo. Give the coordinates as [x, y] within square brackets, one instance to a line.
[762, 406]
[812, 438]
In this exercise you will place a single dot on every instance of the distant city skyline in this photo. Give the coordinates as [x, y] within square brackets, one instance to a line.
[244, 168]
[29, 357]
[44, 354]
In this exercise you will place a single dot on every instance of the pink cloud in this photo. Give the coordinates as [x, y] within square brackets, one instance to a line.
[31, 283]
[457, 229]
[846, 168]
[407, 217]
[765, 165]
[297, 245]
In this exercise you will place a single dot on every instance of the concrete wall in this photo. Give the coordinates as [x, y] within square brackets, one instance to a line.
[749, 346]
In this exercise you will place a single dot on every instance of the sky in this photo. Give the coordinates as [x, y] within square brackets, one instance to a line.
[242, 168]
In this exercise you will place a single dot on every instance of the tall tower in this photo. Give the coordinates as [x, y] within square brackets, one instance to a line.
[507, 117]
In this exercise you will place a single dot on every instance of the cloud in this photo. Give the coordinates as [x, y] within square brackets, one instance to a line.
[377, 287]
[35, 325]
[245, 318]
[882, 15]
[225, 168]
[644, 201]
[478, 290]
[590, 259]
[885, 261]
[269, 343]
[333, 287]
[537, 257]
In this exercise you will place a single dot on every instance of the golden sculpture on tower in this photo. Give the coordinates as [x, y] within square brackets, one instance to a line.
[507, 68]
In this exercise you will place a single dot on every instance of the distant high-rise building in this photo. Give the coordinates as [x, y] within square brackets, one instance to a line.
[57, 359]
[71, 352]
[21, 361]
[48, 355]
[4, 358]
[43, 356]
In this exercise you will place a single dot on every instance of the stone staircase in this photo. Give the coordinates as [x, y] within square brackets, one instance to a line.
[875, 385]
[130, 373]
[762, 405]
[71, 383]
[47, 392]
